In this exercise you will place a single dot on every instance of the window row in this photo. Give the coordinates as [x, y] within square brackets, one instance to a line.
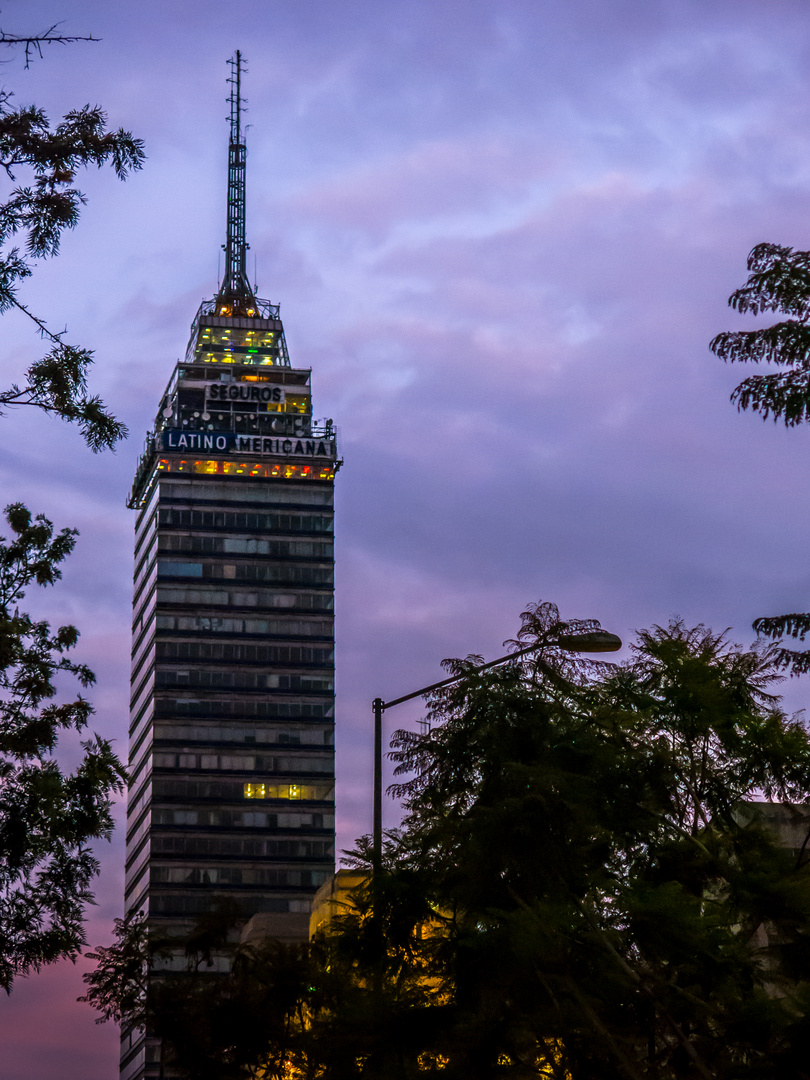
[241, 847]
[232, 790]
[178, 906]
[236, 598]
[244, 710]
[205, 492]
[300, 736]
[229, 338]
[243, 653]
[300, 763]
[246, 545]
[244, 680]
[277, 573]
[216, 624]
[216, 818]
[235, 875]
[224, 519]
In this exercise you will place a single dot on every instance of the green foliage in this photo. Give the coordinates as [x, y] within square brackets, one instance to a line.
[38, 213]
[605, 899]
[117, 984]
[779, 281]
[778, 627]
[47, 816]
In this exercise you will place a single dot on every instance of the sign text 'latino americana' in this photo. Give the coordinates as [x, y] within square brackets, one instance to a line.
[230, 443]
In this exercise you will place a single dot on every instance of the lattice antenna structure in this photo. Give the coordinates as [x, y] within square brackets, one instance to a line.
[236, 297]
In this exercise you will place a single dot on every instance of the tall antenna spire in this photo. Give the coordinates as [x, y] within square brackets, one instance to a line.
[235, 296]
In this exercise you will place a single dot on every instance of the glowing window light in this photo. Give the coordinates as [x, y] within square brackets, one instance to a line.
[287, 791]
[430, 1060]
[254, 469]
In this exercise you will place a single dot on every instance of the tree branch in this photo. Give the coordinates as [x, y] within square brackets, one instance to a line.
[33, 43]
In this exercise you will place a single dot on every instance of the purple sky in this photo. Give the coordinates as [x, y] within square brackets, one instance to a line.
[502, 234]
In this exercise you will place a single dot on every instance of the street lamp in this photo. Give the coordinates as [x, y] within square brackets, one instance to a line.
[593, 641]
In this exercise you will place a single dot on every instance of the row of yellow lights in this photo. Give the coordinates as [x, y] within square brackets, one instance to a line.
[213, 358]
[247, 468]
[267, 336]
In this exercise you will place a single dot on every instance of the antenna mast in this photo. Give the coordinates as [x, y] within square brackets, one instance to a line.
[235, 295]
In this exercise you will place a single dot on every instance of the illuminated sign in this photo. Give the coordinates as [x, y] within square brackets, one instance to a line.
[262, 395]
[247, 444]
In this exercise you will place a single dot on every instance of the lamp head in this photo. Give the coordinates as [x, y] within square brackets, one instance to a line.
[593, 641]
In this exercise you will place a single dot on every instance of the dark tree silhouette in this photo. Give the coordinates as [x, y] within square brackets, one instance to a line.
[47, 816]
[778, 281]
[40, 162]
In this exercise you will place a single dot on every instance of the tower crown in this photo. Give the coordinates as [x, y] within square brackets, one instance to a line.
[234, 406]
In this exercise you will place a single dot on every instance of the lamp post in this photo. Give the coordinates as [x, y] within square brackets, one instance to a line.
[594, 641]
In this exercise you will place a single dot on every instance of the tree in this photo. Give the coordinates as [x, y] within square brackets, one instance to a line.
[281, 1011]
[599, 881]
[38, 212]
[47, 816]
[779, 281]
[117, 985]
[581, 889]
[212, 1024]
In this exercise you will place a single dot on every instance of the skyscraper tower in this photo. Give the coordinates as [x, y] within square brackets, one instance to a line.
[231, 795]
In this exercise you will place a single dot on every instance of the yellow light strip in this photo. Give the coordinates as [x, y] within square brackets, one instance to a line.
[257, 469]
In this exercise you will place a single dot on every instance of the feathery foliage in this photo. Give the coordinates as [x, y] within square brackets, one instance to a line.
[613, 906]
[33, 218]
[47, 816]
[779, 281]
